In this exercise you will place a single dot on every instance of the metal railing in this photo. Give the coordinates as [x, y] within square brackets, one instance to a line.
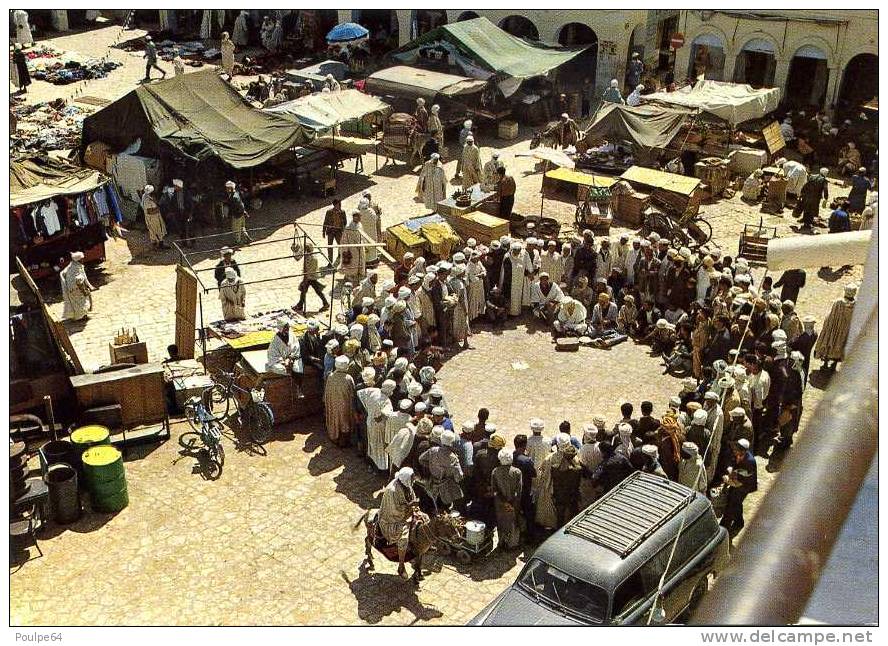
[779, 560]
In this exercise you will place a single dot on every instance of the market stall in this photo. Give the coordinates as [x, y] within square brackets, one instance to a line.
[57, 208]
[198, 128]
[482, 50]
[429, 236]
[317, 73]
[247, 339]
[401, 85]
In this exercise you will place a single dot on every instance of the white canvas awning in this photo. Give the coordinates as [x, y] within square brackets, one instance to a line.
[733, 102]
[412, 82]
[325, 110]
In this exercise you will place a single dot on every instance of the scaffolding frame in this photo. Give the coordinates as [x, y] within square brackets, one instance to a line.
[299, 233]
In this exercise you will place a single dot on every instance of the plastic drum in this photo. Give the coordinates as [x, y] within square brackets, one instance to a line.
[475, 532]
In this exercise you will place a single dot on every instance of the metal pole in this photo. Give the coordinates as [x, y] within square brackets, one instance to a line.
[778, 563]
[203, 334]
[50, 416]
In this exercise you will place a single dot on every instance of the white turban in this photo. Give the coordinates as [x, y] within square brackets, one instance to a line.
[368, 375]
[404, 475]
[614, 83]
[435, 108]
[178, 183]
[77, 256]
[341, 362]
[505, 456]
[229, 184]
[149, 189]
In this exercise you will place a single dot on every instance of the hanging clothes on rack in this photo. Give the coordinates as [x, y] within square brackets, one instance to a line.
[114, 202]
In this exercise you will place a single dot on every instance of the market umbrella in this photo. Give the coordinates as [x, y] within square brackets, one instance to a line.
[346, 32]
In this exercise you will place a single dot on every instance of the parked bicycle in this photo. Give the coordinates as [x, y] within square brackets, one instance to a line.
[208, 431]
[254, 414]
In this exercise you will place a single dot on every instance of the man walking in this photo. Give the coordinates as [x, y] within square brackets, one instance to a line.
[334, 223]
[151, 59]
[310, 275]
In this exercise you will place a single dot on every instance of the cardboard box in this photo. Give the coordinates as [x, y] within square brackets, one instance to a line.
[128, 353]
[745, 160]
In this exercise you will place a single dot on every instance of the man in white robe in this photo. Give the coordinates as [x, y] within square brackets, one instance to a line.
[515, 278]
[631, 258]
[227, 48]
[153, 218]
[538, 446]
[545, 298]
[354, 259]
[22, 28]
[830, 347]
[432, 183]
[232, 295]
[571, 319]
[241, 35]
[370, 221]
[471, 163]
[284, 354]
[395, 421]
[796, 176]
[436, 128]
[76, 289]
[604, 261]
[376, 405]
[552, 263]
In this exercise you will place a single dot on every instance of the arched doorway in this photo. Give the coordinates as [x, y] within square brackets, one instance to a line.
[579, 73]
[707, 58]
[521, 27]
[807, 79]
[424, 20]
[860, 82]
[636, 46]
[756, 63]
[467, 15]
[382, 25]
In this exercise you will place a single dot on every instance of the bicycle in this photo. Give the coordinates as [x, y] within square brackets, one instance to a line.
[208, 430]
[253, 413]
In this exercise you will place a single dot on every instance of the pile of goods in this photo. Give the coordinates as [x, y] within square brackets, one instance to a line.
[52, 125]
[607, 159]
[62, 68]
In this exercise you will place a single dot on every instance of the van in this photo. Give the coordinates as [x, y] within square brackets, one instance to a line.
[604, 567]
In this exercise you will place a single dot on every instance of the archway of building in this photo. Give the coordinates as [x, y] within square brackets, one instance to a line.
[707, 58]
[382, 25]
[756, 64]
[467, 15]
[424, 20]
[579, 73]
[808, 78]
[860, 82]
[520, 26]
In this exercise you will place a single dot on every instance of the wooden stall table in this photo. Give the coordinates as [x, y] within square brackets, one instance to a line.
[139, 391]
[280, 390]
[678, 194]
[478, 198]
[483, 227]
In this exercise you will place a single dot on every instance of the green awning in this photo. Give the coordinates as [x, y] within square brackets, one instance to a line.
[648, 126]
[495, 50]
[38, 178]
[200, 116]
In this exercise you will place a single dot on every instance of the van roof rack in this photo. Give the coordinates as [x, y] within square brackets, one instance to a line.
[630, 512]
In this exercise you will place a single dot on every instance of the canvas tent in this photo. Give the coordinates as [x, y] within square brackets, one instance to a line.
[35, 179]
[733, 102]
[196, 115]
[648, 126]
[412, 83]
[325, 110]
[317, 73]
[483, 50]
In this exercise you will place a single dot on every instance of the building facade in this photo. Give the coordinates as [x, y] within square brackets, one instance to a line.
[819, 59]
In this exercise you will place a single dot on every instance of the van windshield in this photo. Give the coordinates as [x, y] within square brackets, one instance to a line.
[566, 592]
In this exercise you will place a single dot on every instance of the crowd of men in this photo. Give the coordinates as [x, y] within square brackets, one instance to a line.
[744, 353]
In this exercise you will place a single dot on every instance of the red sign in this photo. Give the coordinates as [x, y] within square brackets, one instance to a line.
[677, 41]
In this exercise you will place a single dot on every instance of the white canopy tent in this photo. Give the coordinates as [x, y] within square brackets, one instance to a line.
[733, 102]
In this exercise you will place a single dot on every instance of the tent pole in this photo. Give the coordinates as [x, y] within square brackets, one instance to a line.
[203, 334]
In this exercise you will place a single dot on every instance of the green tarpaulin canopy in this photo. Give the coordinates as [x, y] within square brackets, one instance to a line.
[645, 125]
[495, 50]
[198, 115]
[38, 178]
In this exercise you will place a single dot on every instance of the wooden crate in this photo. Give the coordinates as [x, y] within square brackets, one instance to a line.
[715, 172]
[483, 227]
[138, 390]
[507, 130]
[399, 240]
[280, 390]
[128, 353]
[630, 207]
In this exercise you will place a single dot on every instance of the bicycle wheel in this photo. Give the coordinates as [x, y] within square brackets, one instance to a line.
[701, 230]
[261, 421]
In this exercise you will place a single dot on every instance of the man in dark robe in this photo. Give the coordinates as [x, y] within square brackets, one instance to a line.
[813, 191]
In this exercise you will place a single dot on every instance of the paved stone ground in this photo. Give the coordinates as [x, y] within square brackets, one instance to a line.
[274, 535]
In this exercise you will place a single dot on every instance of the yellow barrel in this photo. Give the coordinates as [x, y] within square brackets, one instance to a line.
[105, 478]
[89, 436]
